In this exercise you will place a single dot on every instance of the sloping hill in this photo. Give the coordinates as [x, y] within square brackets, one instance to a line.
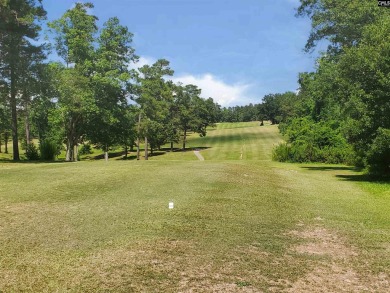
[238, 225]
[230, 141]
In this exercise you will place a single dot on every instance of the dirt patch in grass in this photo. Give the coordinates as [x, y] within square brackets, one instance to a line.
[335, 272]
[160, 266]
[324, 243]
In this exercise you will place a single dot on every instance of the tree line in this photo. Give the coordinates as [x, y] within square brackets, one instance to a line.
[342, 111]
[92, 94]
[340, 114]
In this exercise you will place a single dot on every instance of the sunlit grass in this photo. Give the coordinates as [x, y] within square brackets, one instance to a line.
[105, 226]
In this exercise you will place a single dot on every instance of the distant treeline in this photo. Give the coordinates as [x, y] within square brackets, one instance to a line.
[274, 107]
[341, 113]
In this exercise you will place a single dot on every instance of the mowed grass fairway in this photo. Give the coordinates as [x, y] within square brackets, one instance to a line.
[241, 223]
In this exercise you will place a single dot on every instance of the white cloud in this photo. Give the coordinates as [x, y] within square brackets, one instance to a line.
[145, 61]
[223, 93]
[142, 61]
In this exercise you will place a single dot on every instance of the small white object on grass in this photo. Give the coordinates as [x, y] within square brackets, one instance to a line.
[170, 205]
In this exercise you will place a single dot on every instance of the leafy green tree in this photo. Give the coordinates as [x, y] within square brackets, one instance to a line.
[194, 113]
[127, 133]
[365, 70]
[153, 97]
[111, 83]
[32, 85]
[74, 35]
[19, 26]
[271, 106]
[44, 102]
[5, 125]
[350, 86]
[75, 103]
[339, 22]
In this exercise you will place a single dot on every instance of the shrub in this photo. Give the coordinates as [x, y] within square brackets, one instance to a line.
[281, 153]
[313, 142]
[378, 156]
[48, 150]
[85, 149]
[32, 152]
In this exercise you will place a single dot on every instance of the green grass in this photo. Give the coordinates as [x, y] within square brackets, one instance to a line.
[94, 226]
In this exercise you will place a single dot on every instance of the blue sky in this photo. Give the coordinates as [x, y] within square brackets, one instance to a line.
[236, 51]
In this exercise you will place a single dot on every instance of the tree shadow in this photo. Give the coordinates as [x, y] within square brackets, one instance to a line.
[186, 149]
[200, 148]
[365, 178]
[332, 168]
[110, 155]
[356, 174]
[128, 158]
[10, 161]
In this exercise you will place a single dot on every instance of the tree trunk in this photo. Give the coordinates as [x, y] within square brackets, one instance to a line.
[106, 153]
[146, 148]
[184, 139]
[14, 117]
[126, 151]
[69, 151]
[171, 146]
[138, 140]
[138, 150]
[0, 143]
[27, 124]
[6, 142]
[75, 152]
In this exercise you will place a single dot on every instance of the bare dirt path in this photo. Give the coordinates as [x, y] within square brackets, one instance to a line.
[198, 155]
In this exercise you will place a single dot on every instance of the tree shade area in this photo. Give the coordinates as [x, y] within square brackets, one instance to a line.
[340, 114]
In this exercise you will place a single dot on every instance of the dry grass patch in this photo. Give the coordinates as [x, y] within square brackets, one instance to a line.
[335, 271]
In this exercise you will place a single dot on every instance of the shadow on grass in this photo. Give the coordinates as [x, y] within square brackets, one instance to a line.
[365, 178]
[128, 158]
[156, 153]
[356, 175]
[10, 161]
[332, 168]
[110, 155]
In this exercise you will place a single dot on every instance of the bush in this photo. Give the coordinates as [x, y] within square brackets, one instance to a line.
[313, 142]
[48, 150]
[281, 153]
[85, 149]
[32, 152]
[378, 156]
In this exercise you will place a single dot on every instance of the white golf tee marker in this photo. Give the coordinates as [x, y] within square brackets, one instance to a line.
[170, 205]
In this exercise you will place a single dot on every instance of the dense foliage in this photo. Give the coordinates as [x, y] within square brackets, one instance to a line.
[87, 96]
[344, 108]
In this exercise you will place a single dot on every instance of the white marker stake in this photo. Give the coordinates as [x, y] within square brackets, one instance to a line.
[170, 205]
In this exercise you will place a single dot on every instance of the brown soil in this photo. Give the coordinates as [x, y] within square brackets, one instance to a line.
[335, 273]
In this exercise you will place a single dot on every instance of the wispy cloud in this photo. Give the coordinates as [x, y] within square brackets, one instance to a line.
[223, 93]
[143, 60]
